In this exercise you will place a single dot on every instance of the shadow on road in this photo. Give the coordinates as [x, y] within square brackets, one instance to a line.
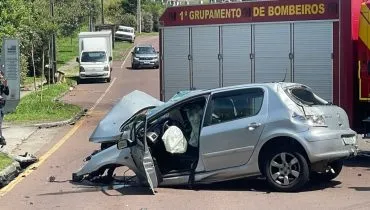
[257, 185]
[140, 69]
[363, 189]
[108, 189]
[362, 160]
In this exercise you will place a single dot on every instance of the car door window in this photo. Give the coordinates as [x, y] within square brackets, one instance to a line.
[236, 105]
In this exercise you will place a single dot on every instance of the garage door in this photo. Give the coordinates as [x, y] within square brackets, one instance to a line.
[236, 50]
[205, 50]
[176, 63]
[272, 48]
[313, 65]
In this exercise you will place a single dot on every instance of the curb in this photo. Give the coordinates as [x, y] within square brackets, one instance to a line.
[71, 121]
[54, 124]
[9, 173]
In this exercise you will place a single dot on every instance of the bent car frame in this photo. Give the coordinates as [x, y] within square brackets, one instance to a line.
[283, 131]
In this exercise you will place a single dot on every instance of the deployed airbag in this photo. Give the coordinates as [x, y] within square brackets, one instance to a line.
[174, 140]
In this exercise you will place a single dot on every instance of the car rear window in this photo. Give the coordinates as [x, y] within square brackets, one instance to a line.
[305, 96]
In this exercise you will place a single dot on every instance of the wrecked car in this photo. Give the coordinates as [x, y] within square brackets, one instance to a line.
[282, 131]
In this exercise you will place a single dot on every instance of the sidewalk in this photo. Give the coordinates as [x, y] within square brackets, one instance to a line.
[21, 139]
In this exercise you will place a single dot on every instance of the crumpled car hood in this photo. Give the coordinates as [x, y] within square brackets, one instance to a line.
[108, 128]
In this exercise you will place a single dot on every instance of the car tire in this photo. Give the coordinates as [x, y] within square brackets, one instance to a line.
[80, 81]
[109, 79]
[286, 170]
[328, 175]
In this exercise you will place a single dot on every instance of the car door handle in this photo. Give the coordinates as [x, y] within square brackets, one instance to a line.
[253, 126]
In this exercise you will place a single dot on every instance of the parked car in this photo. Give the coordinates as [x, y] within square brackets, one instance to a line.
[283, 131]
[125, 33]
[144, 56]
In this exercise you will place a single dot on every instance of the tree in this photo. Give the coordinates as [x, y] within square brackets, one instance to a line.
[147, 22]
[156, 9]
[14, 19]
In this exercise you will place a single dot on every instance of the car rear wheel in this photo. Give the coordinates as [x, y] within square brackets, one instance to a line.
[286, 170]
[331, 172]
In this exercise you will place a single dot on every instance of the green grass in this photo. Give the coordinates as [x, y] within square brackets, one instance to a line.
[29, 81]
[4, 161]
[67, 49]
[32, 109]
[120, 48]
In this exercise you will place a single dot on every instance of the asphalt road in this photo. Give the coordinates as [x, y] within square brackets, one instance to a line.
[351, 190]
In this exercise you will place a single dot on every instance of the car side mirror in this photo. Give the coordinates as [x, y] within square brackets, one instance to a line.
[110, 58]
[122, 144]
[77, 60]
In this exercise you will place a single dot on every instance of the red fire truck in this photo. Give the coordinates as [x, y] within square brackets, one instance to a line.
[321, 43]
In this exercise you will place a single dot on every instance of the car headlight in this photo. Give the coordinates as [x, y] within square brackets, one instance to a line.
[106, 68]
[136, 59]
[311, 120]
[82, 69]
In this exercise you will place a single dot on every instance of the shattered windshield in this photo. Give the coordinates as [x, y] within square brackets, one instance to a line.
[305, 96]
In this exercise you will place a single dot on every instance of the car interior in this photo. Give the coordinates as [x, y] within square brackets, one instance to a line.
[187, 117]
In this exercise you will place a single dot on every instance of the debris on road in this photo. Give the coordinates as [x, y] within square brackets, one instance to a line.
[26, 159]
[51, 178]
[12, 171]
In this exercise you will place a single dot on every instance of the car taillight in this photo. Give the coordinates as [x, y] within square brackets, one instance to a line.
[311, 120]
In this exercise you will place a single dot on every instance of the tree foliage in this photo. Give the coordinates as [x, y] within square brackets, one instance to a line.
[31, 22]
[119, 11]
[147, 22]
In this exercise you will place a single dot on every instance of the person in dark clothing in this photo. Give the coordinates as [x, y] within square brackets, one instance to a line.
[4, 91]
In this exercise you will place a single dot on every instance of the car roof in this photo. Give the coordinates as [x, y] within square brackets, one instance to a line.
[272, 85]
[187, 94]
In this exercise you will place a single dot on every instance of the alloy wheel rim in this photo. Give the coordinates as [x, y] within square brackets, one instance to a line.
[285, 168]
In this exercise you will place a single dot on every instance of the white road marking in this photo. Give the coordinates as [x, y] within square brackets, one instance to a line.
[124, 61]
[102, 96]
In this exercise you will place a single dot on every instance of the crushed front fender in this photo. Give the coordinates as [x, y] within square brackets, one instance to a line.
[105, 158]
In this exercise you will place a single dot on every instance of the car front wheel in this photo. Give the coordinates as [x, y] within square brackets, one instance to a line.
[286, 170]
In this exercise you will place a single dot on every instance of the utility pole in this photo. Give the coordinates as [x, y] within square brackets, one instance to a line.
[138, 18]
[52, 46]
[102, 12]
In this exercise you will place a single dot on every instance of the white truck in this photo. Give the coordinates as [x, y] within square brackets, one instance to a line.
[95, 55]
